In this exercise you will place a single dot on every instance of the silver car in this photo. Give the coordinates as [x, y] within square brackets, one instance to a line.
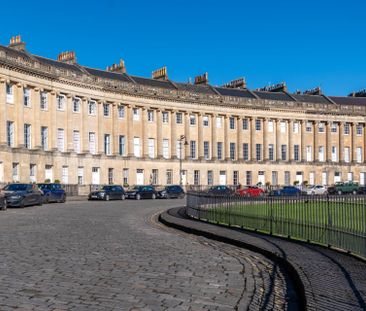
[316, 190]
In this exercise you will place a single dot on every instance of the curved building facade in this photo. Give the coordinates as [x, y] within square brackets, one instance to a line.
[60, 120]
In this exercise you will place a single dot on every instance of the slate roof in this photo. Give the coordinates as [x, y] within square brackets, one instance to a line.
[316, 99]
[359, 101]
[274, 96]
[234, 92]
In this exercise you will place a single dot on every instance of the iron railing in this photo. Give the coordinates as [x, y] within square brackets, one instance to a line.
[337, 220]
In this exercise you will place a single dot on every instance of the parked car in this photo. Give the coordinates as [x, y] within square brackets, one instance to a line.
[286, 191]
[250, 191]
[23, 195]
[316, 190]
[106, 193]
[344, 188]
[52, 193]
[361, 190]
[3, 203]
[220, 190]
[142, 192]
[170, 192]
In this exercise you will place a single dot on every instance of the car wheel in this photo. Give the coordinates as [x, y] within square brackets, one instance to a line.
[138, 196]
[339, 192]
[153, 196]
[107, 198]
[123, 197]
[354, 192]
[40, 202]
[21, 204]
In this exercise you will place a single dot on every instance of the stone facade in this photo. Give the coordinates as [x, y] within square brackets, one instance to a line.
[58, 121]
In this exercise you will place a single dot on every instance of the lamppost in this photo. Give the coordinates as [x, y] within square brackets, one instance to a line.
[181, 139]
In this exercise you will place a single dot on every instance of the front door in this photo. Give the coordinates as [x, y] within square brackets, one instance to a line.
[95, 176]
[139, 177]
[222, 180]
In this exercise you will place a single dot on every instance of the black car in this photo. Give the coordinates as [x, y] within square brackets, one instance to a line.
[170, 192]
[142, 192]
[110, 192]
[220, 190]
[53, 193]
[361, 190]
[23, 195]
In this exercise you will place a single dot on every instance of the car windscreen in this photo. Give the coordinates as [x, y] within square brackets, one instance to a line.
[44, 186]
[106, 188]
[16, 187]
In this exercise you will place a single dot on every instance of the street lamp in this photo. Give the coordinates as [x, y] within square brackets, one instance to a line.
[181, 139]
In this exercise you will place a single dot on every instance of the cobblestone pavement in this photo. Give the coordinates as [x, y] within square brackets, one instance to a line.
[114, 256]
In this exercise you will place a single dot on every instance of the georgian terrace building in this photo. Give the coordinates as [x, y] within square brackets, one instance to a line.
[60, 120]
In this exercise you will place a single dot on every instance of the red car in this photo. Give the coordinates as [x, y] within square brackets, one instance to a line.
[250, 191]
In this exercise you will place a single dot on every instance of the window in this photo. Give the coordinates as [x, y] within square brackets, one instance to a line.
[121, 111]
[166, 148]
[258, 152]
[15, 171]
[60, 140]
[296, 152]
[44, 137]
[309, 153]
[196, 177]
[309, 126]
[334, 127]
[274, 178]
[27, 136]
[76, 141]
[235, 178]
[136, 146]
[270, 126]
[80, 175]
[65, 175]
[295, 127]
[359, 129]
[154, 177]
[60, 101]
[92, 107]
[165, 115]
[122, 145]
[245, 124]
[258, 125]
[110, 176]
[180, 149]
[193, 149]
[324, 178]
[334, 154]
[346, 155]
[9, 93]
[219, 150]
[346, 128]
[179, 118]
[287, 178]
[209, 178]
[10, 133]
[283, 152]
[92, 143]
[232, 123]
[205, 121]
[43, 100]
[26, 97]
[321, 153]
[232, 151]
[271, 152]
[283, 126]
[107, 144]
[248, 178]
[136, 114]
[192, 119]
[321, 127]
[169, 177]
[218, 122]
[151, 147]
[32, 173]
[48, 172]
[150, 115]
[106, 110]
[359, 154]
[76, 104]
[349, 176]
[125, 177]
[206, 150]
[246, 152]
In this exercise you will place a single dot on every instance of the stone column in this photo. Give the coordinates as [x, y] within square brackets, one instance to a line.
[352, 146]
[84, 130]
[290, 130]
[69, 129]
[315, 141]
[114, 120]
[173, 135]
[226, 143]
[186, 134]
[144, 147]
[252, 139]
[52, 131]
[328, 142]
[303, 144]
[3, 114]
[36, 128]
[265, 139]
[239, 142]
[341, 142]
[278, 143]
[200, 137]
[19, 108]
[129, 123]
[159, 133]
[100, 135]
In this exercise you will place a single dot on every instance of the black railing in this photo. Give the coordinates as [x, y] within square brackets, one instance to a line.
[333, 220]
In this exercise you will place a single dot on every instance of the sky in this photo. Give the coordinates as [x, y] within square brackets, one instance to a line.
[303, 43]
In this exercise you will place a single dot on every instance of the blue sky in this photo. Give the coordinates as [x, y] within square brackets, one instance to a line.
[305, 43]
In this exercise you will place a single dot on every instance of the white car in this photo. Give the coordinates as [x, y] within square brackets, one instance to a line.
[317, 189]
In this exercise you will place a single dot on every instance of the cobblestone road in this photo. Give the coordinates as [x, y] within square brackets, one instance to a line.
[114, 256]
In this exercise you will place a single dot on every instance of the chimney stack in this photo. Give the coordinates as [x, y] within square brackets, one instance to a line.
[315, 91]
[120, 68]
[160, 74]
[16, 43]
[236, 84]
[67, 57]
[279, 87]
[203, 79]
